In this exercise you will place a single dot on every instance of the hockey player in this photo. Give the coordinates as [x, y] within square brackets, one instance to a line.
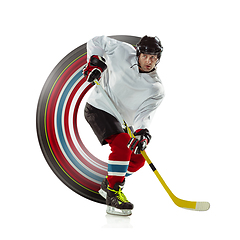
[129, 77]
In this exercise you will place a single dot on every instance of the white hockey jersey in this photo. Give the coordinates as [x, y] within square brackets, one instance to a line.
[136, 95]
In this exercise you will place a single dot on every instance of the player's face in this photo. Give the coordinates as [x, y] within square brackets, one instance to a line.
[147, 62]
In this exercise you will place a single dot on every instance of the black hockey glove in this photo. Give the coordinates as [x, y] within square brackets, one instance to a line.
[94, 68]
[140, 142]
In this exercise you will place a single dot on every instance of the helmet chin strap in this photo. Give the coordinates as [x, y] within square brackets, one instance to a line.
[136, 64]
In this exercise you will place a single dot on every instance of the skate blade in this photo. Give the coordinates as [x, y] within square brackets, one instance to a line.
[118, 212]
[103, 193]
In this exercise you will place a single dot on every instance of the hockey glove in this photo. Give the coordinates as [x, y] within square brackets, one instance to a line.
[140, 142]
[94, 68]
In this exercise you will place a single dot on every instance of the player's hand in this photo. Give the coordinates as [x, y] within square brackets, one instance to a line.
[140, 142]
[94, 68]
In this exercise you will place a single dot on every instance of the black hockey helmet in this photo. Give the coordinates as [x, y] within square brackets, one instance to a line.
[149, 45]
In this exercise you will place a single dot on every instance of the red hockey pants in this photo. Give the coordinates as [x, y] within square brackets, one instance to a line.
[121, 159]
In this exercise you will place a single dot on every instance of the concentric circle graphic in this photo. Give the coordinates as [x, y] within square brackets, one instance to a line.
[58, 134]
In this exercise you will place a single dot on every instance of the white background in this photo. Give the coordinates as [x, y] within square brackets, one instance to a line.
[195, 144]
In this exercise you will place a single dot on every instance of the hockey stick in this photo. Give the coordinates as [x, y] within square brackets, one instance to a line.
[197, 206]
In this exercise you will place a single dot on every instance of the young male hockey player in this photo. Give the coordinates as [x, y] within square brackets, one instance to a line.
[129, 77]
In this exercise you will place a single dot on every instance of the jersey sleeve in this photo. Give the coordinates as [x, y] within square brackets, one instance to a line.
[101, 45]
